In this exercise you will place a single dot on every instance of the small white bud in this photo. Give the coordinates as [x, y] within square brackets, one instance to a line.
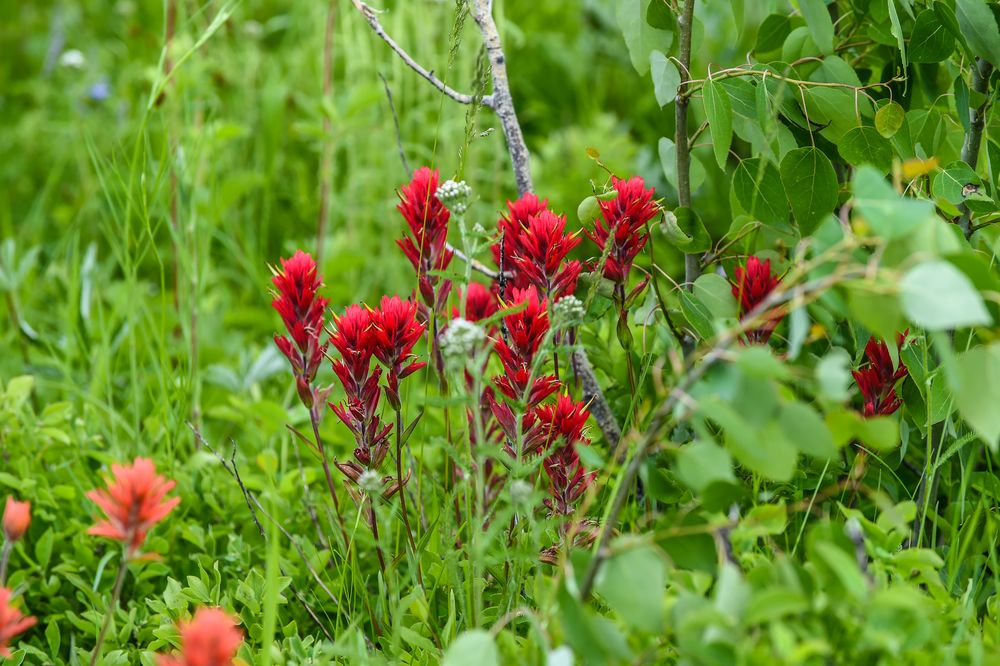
[567, 312]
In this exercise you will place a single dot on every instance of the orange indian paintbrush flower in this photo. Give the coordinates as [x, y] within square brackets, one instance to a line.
[133, 503]
[12, 621]
[16, 519]
[210, 638]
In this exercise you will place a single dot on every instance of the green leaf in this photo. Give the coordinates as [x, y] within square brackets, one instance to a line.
[666, 78]
[842, 567]
[975, 379]
[720, 120]
[890, 215]
[633, 582]
[658, 15]
[889, 119]
[697, 315]
[897, 30]
[702, 463]
[930, 40]
[805, 428]
[668, 162]
[878, 310]
[772, 33]
[43, 548]
[953, 183]
[757, 186]
[715, 292]
[979, 26]
[864, 145]
[810, 185]
[818, 21]
[833, 375]
[640, 37]
[685, 230]
[474, 646]
[937, 296]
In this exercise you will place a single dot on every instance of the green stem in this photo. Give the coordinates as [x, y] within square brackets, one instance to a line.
[115, 596]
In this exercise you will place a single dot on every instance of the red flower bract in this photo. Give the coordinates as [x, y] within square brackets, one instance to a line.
[526, 330]
[754, 282]
[210, 638]
[511, 226]
[302, 312]
[12, 622]
[480, 303]
[396, 331]
[426, 246]
[877, 380]
[561, 425]
[354, 337]
[543, 248]
[133, 503]
[623, 224]
[16, 519]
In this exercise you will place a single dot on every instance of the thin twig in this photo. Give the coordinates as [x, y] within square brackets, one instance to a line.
[451, 93]
[395, 122]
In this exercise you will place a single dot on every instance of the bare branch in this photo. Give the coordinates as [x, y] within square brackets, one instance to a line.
[501, 102]
[443, 88]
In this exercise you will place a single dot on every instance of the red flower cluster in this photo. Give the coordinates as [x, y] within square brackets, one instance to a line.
[426, 246]
[624, 225]
[559, 427]
[539, 259]
[754, 282]
[12, 621]
[354, 337]
[396, 331]
[16, 519]
[388, 334]
[511, 226]
[526, 330]
[210, 638]
[302, 311]
[135, 500]
[877, 380]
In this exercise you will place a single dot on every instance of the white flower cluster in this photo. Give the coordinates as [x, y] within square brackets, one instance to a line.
[370, 482]
[520, 493]
[454, 195]
[567, 312]
[461, 340]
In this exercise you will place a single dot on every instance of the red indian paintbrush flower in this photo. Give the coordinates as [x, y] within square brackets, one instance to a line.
[210, 638]
[135, 500]
[480, 303]
[302, 311]
[511, 226]
[526, 330]
[877, 380]
[16, 519]
[624, 225]
[561, 425]
[540, 258]
[426, 246]
[354, 337]
[12, 621]
[396, 332]
[754, 283]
